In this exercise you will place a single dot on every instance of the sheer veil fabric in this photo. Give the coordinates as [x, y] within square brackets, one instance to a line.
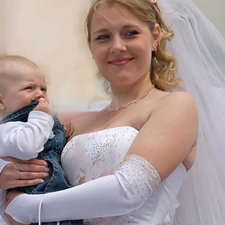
[200, 52]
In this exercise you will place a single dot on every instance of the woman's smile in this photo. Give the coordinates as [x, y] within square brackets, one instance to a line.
[120, 61]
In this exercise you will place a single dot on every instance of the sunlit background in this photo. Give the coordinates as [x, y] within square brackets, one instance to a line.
[52, 34]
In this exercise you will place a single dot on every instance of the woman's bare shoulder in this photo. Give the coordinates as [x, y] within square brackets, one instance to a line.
[177, 99]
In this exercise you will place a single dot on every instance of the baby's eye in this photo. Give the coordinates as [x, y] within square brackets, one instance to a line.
[28, 88]
[131, 33]
[44, 90]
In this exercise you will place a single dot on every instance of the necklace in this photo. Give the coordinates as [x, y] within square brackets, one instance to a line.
[110, 109]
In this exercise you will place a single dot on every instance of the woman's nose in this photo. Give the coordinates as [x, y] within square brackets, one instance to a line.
[117, 45]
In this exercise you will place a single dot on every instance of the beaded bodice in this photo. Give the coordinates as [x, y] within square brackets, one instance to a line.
[90, 156]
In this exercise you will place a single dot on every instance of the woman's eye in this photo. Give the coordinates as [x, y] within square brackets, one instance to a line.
[131, 33]
[102, 37]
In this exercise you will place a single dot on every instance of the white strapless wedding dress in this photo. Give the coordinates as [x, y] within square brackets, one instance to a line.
[93, 155]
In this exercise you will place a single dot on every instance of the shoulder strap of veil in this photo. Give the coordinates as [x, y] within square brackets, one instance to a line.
[200, 52]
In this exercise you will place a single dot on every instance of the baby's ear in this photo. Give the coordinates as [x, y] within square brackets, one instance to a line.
[2, 106]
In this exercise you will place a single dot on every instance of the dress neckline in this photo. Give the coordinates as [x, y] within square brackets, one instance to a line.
[107, 129]
[122, 127]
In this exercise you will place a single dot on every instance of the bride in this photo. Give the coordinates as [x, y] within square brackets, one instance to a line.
[143, 187]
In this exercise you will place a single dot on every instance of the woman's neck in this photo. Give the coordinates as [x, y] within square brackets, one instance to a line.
[126, 98]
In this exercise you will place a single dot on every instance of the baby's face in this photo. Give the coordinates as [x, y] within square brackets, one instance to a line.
[22, 86]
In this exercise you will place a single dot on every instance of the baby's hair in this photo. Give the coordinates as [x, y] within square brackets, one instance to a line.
[8, 61]
[17, 59]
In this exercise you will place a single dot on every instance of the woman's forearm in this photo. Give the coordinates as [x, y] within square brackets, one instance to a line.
[118, 194]
[3, 163]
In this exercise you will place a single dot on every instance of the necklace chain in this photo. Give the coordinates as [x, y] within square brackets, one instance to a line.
[110, 109]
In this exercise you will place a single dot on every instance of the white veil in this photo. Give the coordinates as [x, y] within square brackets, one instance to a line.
[200, 52]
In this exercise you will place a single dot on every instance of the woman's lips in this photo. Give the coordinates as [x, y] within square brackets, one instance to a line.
[120, 61]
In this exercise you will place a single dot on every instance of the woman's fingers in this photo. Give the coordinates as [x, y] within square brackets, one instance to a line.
[32, 165]
[22, 183]
[31, 161]
[23, 173]
[31, 175]
[11, 177]
[24, 167]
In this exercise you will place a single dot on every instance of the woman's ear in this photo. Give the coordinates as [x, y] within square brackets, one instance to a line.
[156, 36]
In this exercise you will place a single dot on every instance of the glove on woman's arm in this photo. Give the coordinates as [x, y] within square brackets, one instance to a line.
[113, 195]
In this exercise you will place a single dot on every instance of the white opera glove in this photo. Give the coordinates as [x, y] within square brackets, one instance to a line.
[113, 195]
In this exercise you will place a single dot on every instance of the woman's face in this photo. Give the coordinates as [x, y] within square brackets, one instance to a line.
[121, 45]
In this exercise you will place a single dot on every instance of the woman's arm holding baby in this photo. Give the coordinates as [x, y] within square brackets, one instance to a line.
[11, 172]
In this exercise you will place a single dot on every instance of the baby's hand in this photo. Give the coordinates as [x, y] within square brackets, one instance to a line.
[68, 127]
[44, 106]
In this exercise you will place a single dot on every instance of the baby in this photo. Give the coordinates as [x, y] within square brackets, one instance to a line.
[28, 127]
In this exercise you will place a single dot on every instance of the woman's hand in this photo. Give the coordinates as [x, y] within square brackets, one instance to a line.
[23, 173]
[10, 196]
